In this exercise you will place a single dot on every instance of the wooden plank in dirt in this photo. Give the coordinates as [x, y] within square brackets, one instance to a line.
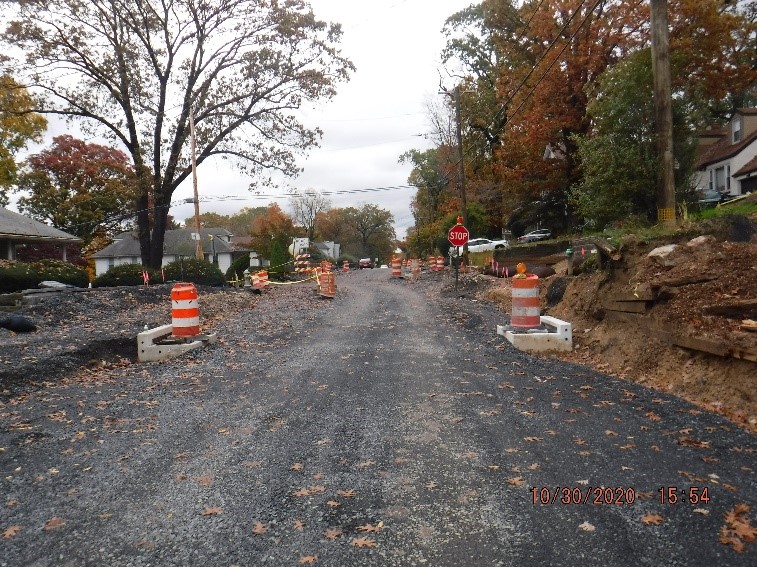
[740, 309]
[684, 280]
[641, 292]
[625, 306]
[701, 344]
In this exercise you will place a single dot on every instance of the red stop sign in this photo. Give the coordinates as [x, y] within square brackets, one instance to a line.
[458, 235]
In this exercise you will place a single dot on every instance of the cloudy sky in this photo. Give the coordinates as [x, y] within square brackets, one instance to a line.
[376, 117]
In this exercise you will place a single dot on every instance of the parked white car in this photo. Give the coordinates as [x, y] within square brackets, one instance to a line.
[486, 245]
[536, 235]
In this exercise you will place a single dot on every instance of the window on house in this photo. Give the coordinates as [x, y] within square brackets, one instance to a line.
[728, 178]
[736, 125]
[712, 179]
[111, 262]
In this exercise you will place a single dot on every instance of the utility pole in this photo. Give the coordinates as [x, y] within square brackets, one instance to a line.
[461, 178]
[199, 255]
[455, 95]
[666, 200]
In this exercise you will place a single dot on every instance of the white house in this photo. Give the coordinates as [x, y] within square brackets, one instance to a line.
[727, 156]
[216, 246]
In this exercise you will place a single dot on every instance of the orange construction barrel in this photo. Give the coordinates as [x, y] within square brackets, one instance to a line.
[327, 282]
[526, 310]
[185, 310]
[396, 267]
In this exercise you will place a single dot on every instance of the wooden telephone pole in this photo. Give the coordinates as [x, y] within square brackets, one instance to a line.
[199, 255]
[459, 134]
[666, 200]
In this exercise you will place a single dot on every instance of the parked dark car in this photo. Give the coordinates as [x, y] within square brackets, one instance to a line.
[535, 235]
[711, 197]
[365, 263]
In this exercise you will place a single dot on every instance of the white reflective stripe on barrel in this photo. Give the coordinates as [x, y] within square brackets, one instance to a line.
[525, 292]
[186, 321]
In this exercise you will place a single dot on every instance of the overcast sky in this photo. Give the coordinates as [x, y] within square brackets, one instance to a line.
[396, 47]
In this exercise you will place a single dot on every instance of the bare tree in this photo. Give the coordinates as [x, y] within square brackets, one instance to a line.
[134, 70]
[306, 206]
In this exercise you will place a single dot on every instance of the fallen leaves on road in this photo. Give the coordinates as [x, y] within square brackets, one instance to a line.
[332, 533]
[652, 519]
[364, 541]
[587, 527]
[211, 511]
[298, 525]
[333, 504]
[205, 480]
[694, 443]
[259, 528]
[737, 529]
[11, 531]
[346, 493]
[54, 523]
[307, 559]
[515, 481]
[370, 527]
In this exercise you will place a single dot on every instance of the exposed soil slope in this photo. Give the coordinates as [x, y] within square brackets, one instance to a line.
[704, 289]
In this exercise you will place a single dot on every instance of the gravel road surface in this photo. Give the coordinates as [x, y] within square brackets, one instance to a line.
[390, 426]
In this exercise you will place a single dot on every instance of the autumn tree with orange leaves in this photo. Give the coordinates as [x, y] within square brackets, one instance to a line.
[273, 229]
[531, 71]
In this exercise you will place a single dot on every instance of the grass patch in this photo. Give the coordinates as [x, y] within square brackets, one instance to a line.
[745, 209]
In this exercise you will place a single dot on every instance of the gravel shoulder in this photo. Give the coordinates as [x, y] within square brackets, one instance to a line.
[389, 426]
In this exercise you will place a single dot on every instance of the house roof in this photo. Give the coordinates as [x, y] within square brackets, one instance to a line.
[241, 244]
[723, 148]
[176, 243]
[18, 227]
[749, 167]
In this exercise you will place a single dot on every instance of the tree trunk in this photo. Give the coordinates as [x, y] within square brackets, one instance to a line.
[160, 220]
[143, 228]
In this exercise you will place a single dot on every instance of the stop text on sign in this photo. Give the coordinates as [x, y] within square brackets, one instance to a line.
[458, 235]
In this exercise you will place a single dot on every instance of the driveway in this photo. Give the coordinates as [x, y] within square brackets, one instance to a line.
[389, 426]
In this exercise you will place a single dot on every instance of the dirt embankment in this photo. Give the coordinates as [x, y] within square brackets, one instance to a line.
[659, 321]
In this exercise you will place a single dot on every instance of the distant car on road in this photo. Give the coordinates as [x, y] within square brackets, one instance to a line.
[486, 245]
[535, 235]
[365, 263]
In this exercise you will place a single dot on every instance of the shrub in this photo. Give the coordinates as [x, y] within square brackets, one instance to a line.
[63, 272]
[195, 271]
[238, 267]
[125, 274]
[17, 276]
[279, 261]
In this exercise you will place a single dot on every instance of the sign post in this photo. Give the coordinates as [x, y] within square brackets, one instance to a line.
[458, 236]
